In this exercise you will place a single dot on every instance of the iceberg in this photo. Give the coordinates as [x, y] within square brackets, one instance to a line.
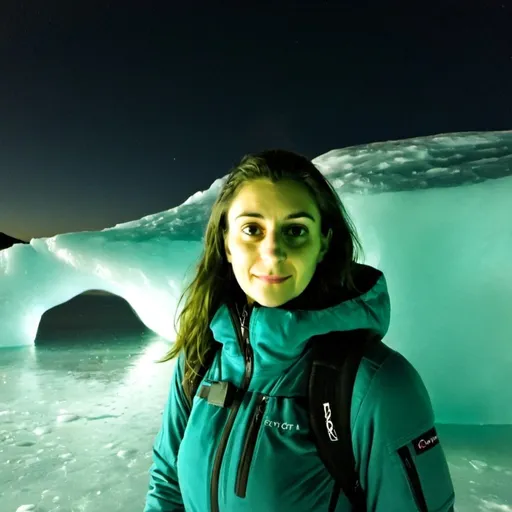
[433, 213]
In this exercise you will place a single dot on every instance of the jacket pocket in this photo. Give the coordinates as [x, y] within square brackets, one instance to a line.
[249, 444]
[413, 477]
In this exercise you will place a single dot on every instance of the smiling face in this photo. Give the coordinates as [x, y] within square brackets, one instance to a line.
[274, 230]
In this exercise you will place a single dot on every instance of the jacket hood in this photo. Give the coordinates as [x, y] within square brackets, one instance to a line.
[278, 336]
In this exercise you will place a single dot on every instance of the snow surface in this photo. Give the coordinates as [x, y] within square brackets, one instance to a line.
[79, 412]
[434, 213]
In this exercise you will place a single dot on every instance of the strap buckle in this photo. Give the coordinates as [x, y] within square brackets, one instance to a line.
[220, 394]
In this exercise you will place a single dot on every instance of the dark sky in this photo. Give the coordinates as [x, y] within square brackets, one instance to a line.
[113, 110]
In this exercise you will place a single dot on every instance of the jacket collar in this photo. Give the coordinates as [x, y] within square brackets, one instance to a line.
[278, 336]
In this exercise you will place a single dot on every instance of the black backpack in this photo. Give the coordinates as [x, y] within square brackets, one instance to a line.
[335, 361]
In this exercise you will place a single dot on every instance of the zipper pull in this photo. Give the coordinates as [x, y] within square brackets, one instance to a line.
[261, 408]
[243, 321]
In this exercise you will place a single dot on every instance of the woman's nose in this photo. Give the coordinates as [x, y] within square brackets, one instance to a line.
[272, 247]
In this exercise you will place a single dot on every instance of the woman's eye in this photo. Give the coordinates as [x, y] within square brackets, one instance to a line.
[298, 231]
[251, 226]
[293, 231]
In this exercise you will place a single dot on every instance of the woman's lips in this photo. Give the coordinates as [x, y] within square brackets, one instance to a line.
[273, 279]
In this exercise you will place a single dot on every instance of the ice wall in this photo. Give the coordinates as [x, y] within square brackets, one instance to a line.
[434, 213]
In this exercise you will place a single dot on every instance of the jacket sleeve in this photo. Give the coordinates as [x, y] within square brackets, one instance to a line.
[402, 463]
[164, 492]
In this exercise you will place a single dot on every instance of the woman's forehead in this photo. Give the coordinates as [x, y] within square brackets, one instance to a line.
[263, 196]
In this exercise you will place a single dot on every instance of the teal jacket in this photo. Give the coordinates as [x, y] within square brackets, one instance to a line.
[260, 456]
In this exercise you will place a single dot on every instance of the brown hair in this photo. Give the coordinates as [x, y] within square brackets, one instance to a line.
[214, 281]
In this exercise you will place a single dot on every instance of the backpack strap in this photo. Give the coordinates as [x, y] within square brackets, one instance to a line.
[201, 372]
[336, 358]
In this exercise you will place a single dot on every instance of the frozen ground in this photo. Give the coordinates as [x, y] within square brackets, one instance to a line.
[79, 411]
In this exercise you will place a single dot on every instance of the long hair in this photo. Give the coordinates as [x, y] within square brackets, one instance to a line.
[214, 281]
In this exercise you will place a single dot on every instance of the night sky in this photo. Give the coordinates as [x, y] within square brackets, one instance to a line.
[113, 110]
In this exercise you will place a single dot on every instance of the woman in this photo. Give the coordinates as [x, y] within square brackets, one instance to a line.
[279, 266]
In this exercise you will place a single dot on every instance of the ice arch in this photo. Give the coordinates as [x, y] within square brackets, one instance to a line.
[434, 213]
[90, 317]
[148, 273]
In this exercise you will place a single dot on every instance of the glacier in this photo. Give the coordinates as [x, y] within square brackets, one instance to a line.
[433, 213]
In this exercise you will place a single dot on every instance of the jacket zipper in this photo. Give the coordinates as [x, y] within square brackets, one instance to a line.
[245, 346]
[414, 479]
[249, 445]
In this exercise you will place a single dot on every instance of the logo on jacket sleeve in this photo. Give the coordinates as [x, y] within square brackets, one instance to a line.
[333, 436]
[426, 441]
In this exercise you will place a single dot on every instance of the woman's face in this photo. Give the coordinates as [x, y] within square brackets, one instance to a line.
[274, 230]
